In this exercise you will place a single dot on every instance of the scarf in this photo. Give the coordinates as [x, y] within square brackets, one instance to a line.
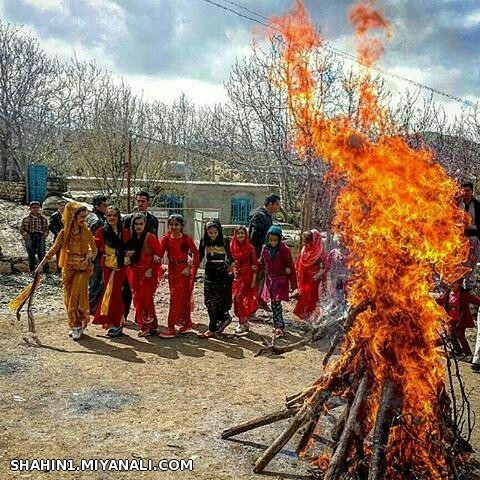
[68, 217]
[113, 238]
[277, 231]
[241, 251]
[313, 252]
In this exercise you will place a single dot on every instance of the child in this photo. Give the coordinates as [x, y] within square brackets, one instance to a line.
[77, 250]
[456, 302]
[245, 295]
[312, 267]
[143, 251]
[181, 275]
[111, 241]
[218, 278]
[279, 275]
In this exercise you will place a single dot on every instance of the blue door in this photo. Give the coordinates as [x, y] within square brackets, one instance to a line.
[37, 183]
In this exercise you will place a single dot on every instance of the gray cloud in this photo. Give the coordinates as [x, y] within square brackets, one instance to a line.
[191, 38]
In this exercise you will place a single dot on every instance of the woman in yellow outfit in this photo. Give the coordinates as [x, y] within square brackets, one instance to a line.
[77, 249]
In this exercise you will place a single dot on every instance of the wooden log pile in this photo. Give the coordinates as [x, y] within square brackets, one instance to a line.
[354, 449]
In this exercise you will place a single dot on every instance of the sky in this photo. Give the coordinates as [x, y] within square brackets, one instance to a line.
[166, 47]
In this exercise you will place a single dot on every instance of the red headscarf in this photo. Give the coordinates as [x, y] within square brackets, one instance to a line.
[314, 251]
[240, 251]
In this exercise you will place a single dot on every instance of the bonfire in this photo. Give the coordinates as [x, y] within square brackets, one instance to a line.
[397, 217]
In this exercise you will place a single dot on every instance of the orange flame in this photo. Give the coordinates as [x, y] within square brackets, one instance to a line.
[398, 219]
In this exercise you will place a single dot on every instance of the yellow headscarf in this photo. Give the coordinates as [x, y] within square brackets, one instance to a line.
[68, 217]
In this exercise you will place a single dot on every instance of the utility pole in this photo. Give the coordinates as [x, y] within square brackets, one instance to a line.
[129, 171]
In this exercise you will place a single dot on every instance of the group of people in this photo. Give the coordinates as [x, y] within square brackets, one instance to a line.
[107, 262]
[457, 297]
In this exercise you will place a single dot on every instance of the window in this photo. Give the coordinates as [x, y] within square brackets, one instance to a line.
[240, 210]
[173, 203]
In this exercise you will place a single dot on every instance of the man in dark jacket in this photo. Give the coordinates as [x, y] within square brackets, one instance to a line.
[143, 202]
[56, 225]
[261, 219]
[471, 206]
[95, 220]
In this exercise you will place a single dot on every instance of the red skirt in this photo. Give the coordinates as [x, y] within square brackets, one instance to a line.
[143, 292]
[245, 298]
[111, 309]
[181, 287]
[308, 294]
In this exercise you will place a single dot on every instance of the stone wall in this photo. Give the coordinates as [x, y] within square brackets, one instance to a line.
[16, 191]
[13, 191]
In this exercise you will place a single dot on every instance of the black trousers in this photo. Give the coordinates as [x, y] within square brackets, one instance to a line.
[277, 311]
[218, 294]
[35, 245]
[95, 288]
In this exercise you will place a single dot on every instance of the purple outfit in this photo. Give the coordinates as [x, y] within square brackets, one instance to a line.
[275, 288]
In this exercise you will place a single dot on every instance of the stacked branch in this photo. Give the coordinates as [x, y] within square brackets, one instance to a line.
[353, 448]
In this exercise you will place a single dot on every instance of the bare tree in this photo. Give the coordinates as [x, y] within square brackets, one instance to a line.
[31, 101]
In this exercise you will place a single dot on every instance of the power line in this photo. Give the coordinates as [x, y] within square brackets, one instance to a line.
[235, 12]
[335, 50]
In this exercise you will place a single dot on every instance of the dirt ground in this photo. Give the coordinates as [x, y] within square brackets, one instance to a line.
[145, 398]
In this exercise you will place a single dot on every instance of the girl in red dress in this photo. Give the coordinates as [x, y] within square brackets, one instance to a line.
[245, 294]
[143, 251]
[456, 302]
[111, 241]
[312, 267]
[183, 262]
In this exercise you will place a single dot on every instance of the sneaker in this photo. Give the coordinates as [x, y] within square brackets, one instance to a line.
[168, 334]
[115, 332]
[185, 330]
[207, 334]
[475, 367]
[224, 325]
[77, 333]
[242, 329]
[70, 333]
[279, 332]
[468, 358]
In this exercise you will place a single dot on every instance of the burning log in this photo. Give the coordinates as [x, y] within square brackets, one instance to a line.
[307, 435]
[314, 404]
[382, 431]
[337, 464]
